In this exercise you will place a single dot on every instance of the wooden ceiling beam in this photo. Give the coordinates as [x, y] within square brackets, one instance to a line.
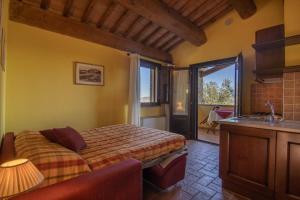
[120, 21]
[163, 40]
[45, 4]
[173, 46]
[216, 17]
[155, 40]
[149, 34]
[134, 26]
[204, 8]
[171, 3]
[33, 16]
[214, 69]
[141, 31]
[110, 9]
[88, 10]
[209, 14]
[191, 6]
[131, 25]
[149, 39]
[170, 43]
[67, 8]
[158, 12]
[245, 8]
[148, 30]
[180, 4]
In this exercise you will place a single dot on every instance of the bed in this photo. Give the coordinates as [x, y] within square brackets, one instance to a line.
[105, 146]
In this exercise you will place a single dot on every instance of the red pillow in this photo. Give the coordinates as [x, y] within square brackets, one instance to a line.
[49, 134]
[70, 138]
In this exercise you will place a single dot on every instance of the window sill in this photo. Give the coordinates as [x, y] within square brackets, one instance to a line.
[150, 104]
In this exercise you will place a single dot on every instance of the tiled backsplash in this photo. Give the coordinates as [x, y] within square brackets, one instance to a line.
[291, 100]
[262, 92]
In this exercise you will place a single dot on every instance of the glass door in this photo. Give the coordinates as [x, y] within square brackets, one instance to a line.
[180, 102]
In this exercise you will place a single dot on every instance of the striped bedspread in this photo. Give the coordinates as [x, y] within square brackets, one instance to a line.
[55, 162]
[112, 144]
[105, 146]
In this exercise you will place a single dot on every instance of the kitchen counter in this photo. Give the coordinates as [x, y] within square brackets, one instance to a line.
[259, 159]
[286, 126]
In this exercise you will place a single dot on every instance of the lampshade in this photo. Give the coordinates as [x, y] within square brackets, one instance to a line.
[18, 176]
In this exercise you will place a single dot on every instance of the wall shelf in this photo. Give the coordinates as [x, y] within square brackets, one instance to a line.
[269, 45]
[277, 70]
[288, 41]
[293, 40]
[295, 68]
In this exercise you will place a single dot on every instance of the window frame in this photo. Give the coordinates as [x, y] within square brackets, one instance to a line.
[156, 67]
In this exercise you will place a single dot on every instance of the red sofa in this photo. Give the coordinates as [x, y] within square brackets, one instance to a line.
[120, 181]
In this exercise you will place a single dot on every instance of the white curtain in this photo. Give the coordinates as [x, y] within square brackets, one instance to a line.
[180, 92]
[134, 91]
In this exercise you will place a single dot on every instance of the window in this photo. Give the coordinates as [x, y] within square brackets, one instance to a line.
[216, 85]
[149, 83]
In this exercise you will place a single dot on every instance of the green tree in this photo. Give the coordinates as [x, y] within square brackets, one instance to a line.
[226, 93]
[213, 94]
[210, 93]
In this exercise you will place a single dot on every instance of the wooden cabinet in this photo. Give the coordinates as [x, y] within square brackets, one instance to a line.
[260, 163]
[288, 166]
[270, 52]
[247, 160]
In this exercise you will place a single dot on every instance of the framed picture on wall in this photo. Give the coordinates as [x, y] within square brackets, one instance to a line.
[89, 74]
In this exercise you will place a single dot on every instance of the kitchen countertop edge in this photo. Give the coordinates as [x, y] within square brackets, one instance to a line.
[285, 126]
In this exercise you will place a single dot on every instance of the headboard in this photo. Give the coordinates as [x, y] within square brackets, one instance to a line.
[7, 147]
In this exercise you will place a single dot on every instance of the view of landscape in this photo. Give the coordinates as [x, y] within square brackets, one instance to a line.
[145, 84]
[218, 88]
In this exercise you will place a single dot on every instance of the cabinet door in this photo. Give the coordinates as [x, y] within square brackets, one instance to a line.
[247, 161]
[288, 166]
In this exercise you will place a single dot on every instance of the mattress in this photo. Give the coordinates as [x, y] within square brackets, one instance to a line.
[105, 146]
[112, 144]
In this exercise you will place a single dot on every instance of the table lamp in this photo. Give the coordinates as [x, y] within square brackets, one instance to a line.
[18, 176]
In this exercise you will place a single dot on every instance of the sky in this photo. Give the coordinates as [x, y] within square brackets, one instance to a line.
[217, 77]
[145, 81]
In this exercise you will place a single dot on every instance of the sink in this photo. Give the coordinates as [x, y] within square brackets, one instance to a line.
[262, 118]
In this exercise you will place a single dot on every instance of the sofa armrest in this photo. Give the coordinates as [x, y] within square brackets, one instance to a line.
[119, 181]
[7, 148]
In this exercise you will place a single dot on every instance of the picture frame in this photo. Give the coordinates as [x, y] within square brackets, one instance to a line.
[89, 74]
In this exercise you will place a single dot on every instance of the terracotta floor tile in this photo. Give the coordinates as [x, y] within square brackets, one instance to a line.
[201, 180]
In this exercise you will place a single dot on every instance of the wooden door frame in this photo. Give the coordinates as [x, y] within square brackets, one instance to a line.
[194, 89]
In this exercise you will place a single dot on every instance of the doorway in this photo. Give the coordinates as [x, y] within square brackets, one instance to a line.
[192, 104]
[217, 87]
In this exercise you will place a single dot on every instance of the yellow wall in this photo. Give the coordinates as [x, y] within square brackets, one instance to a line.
[227, 41]
[152, 111]
[292, 27]
[40, 89]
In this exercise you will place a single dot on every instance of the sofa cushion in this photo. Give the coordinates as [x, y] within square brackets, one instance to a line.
[169, 175]
[56, 162]
[70, 138]
[49, 134]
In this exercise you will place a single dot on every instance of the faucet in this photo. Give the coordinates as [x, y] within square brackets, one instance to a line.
[271, 118]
